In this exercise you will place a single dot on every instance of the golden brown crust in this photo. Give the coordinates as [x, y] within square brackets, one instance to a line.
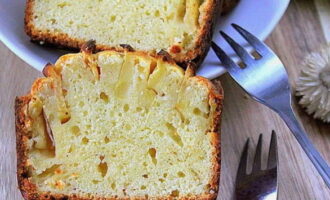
[215, 97]
[26, 187]
[30, 190]
[63, 40]
[205, 35]
[89, 47]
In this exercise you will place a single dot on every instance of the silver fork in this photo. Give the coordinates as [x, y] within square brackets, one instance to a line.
[266, 80]
[259, 184]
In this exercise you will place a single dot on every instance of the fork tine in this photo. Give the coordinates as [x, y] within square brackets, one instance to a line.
[243, 161]
[240, 51]
[272, 155]
[230, 65]
[257, 157]
[259, 46]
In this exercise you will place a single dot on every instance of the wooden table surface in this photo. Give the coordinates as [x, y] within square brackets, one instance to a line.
[304, 28]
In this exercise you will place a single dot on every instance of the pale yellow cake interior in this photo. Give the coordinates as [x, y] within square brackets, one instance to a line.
[143, 24]
[123, 125]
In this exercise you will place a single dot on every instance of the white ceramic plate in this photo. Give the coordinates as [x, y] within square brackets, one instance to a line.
[257, 16]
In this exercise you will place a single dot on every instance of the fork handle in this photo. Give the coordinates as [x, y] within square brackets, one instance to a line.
[320, 164]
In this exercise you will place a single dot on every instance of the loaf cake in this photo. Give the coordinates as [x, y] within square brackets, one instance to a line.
[181, 27]
[118, 125]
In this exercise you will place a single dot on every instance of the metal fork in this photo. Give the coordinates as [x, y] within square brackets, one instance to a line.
[259, 184]
[266, 80]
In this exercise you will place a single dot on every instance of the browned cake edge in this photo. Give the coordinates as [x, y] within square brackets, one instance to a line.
[63, 40]
[30, 191]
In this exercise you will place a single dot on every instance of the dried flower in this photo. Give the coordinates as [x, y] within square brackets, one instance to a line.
[314, 84]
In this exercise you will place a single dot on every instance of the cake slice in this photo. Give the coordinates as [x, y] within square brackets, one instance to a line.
[181, 27]
[118, 125]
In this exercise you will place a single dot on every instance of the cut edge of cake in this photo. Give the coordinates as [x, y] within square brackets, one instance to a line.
[62, 40]
[30, 191]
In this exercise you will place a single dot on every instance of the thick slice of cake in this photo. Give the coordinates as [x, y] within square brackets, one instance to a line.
[118, 125]
[181, 27]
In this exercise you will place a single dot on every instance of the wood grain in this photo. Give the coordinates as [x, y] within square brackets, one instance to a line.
[304, 28]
